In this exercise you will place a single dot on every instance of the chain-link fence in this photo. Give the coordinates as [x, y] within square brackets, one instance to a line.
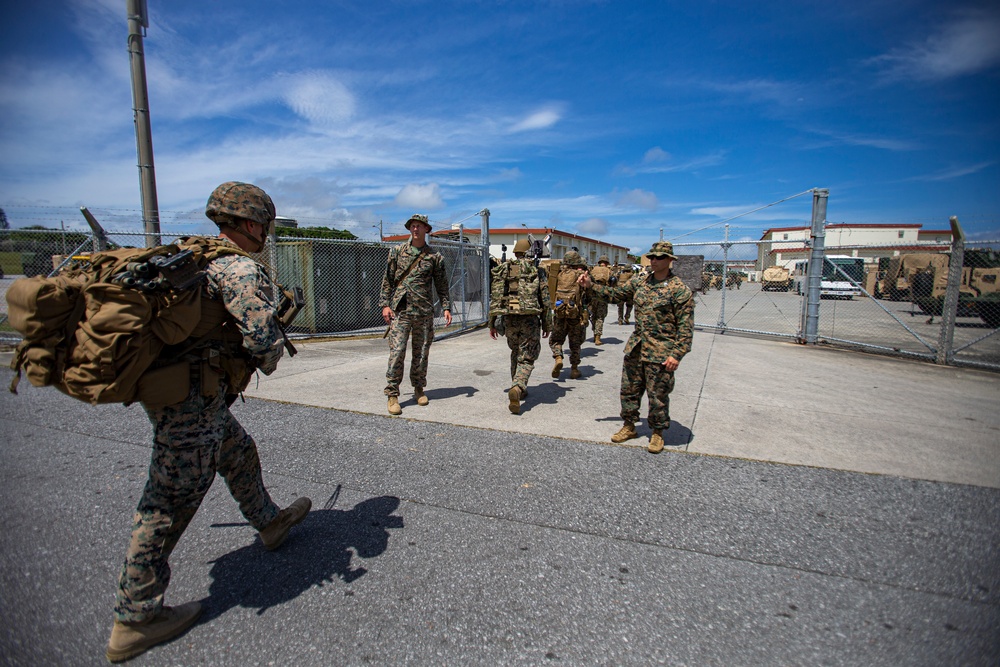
[340, 279]
[875, 298]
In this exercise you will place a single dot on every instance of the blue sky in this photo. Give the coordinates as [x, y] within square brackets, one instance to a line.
[608, 119]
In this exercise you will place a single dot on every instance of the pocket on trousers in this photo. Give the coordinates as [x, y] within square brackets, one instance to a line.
[164, 386]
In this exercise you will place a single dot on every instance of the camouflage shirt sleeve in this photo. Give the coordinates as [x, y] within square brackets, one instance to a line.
[545, 299]
[664, 318]
[621, 291]
[246, 291]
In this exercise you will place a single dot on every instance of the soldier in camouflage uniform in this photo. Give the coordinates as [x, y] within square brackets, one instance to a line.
[623, 275]
[565, 327]
[520, 296]
[408, 308]
[194, 439]
[664, 320]
[600, 275]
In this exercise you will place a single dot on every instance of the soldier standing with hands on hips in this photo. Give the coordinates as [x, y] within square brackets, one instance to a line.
[664, 321]
[408, 308]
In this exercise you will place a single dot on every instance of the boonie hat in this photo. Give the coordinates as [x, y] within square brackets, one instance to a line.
[662, 248]
[418, 217]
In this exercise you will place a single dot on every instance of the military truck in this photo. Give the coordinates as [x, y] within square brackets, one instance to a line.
[978, 292]
[776, 279]
[895, 273]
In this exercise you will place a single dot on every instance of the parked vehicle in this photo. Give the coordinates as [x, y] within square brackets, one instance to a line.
[776, 278]
[842, 276]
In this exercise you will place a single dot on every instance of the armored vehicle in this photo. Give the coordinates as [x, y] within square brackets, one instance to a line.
[776, 278]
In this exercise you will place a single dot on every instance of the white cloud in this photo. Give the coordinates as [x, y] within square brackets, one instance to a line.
[968, 44]
[423, 197]
[318, 97]
[655, 154]
[593, 227]
[638, 199]
[952, 173]
[540, 119]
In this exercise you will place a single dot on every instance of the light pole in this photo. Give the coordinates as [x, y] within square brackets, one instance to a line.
[380, 235]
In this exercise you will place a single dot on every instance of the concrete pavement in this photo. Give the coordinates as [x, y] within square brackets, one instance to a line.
[735, 396]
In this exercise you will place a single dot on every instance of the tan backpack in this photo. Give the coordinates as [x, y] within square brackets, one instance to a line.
[568, 302]
[94, 330]
[601, 275]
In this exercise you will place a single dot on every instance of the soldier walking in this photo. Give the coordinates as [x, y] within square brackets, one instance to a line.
[570, 314]
[600, 275]
[624, 275]
[408, 308]
[519, 307]
[664, 321]
[199, 436]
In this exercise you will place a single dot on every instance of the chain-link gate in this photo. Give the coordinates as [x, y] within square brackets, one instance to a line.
[340, 279]
[875, 298]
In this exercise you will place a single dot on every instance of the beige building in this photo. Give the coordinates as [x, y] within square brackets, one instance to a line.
[560, 242]
[784, 246]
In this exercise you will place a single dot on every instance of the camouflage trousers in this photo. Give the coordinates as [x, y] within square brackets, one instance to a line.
[420, 330]
[563, 328]
[644, 377]
[191, 442]
[598, 313]
[626, 308]
[524, 340]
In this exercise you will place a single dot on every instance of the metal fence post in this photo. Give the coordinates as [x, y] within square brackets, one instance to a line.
[484, 237]
[814, 279]
[461, 262]
[949, 308]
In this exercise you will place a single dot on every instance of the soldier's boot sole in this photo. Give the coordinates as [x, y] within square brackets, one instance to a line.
[394, 407]
[626, 432]
[129, 640]
[514, 400]
[558, 367]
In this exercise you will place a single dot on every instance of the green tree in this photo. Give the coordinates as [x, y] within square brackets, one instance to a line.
[3, 220]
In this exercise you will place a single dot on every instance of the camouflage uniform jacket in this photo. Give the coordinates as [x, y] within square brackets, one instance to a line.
[539, 303]
[415, 290]
[246, 291]
[664, 315]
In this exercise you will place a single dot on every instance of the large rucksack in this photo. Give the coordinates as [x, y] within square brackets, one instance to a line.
[568, 303]
[93, 330]
[514, 289]
[601, 275]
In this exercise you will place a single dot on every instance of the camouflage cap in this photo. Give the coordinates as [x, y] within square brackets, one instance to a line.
[418, 217]
[522, 246]
[662, 248]
[235, 200]
[603, 258]
[573, 258]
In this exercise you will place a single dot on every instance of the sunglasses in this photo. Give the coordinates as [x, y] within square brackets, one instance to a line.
[659, 256]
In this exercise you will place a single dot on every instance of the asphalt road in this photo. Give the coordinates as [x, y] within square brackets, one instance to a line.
[436, 544]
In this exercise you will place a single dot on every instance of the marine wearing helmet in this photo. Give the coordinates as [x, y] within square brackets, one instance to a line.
[573, 258]
[235, 204]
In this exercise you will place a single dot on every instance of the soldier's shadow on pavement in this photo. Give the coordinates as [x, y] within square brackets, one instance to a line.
[316, 552]
[677, 435]
[439, 394]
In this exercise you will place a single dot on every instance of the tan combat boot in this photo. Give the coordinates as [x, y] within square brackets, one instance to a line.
[514, 396]
[656, 442]
[275, 533]
[130, 639]
[626, 432]
[557, 368]
[394, 408]
[574, 372]
[597, 340]
[420, 396]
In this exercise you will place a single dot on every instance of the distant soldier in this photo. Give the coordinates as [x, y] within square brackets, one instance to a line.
[624, 275]
[664, 321]
[408, 308]
[519, 307]
[600, 275]
[570, 314]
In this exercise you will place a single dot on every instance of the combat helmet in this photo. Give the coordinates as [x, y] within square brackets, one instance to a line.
[572, 258]
[522, 246]
[603, 258]
[234, 200]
